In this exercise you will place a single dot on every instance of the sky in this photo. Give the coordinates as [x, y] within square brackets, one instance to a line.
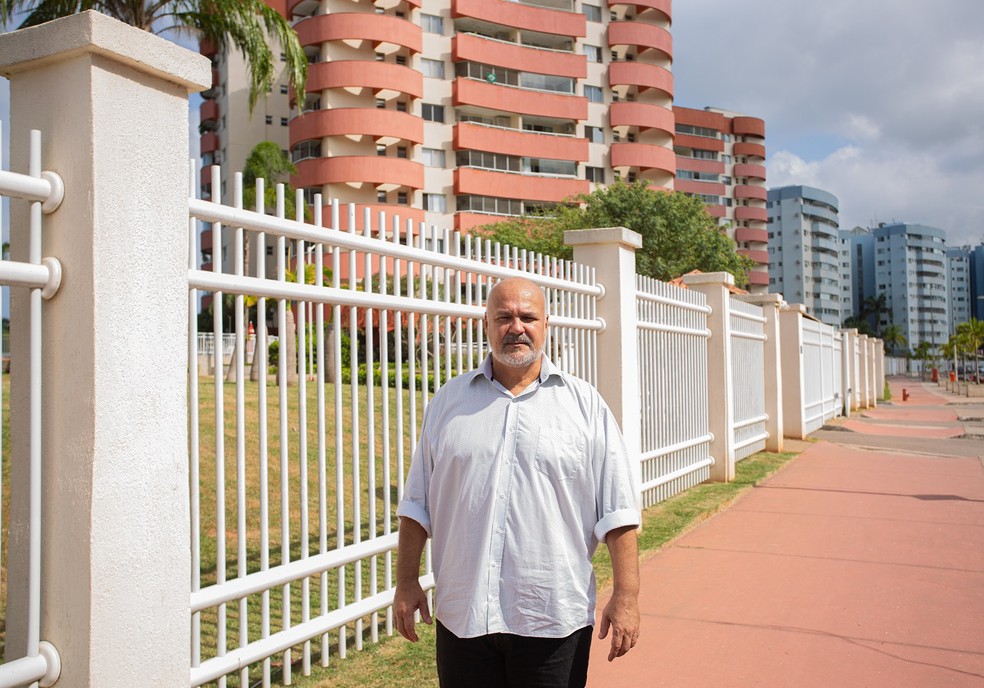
[880, 102]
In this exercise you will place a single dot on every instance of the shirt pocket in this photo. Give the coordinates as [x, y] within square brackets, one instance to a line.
[559, 454]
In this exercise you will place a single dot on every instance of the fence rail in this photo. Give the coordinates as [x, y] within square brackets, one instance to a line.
[44, 191]
[748, 388]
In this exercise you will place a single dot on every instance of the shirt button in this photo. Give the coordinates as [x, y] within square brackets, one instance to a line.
[494, 564]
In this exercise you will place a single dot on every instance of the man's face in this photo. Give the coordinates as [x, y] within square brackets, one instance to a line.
[516, 323]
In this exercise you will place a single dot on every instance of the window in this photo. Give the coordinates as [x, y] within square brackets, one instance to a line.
[283, 121]
[380, 149]
[432, 68]
[435, 203]
[401, 60]
[593, 53]
[432, 113]
[591, 13]
[380, 103]
[305, 150]
[380, 197]
[401, 151]
[594, 134]
[401, 197]
[431, 23]
[401, 106]
[284, 89]
[432, 157]
[594, 94]
[269, 119]
[594, 174]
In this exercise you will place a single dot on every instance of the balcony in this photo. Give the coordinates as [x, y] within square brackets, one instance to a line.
[643, 156]
[643, 76]
[469, 180]
[386, 80]
[522, 101]
[661, 6]
[758, 278]
[474, 48]
[746, 213]
[750, 171]
[383, 126]
[698, 142]
[694, 165]
[207, 48]
[760, 257]
[209, 142]
[380, 32]
[752, 150]
[749, 126]
[692, 186]
[760, 236]
[208, 112]
[382, 173]
[641, 36]
[472, 136]
[558, 22]
[641, 115]
[755, 192]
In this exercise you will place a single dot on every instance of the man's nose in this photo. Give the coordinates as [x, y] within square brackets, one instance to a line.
[516, 325]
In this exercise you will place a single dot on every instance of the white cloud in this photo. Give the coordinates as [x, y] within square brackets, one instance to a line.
[880, 103]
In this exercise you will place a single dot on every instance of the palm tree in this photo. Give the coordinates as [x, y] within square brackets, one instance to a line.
[973, 332]
[875, 306]
[858, 323]
[246, 25]
[893, 337]
[923, 353]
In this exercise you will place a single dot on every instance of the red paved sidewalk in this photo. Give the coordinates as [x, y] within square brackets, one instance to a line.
[850, 567]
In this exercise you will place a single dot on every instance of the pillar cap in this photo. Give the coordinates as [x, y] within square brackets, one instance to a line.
[603, 235]
[723, 278]
[95, 33]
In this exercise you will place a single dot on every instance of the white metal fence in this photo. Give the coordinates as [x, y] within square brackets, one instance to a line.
[672, 326]
[822, 366]
[748, 367]
[42, 276]
[301, 544]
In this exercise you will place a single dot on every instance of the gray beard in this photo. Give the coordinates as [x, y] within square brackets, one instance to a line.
[517, 360]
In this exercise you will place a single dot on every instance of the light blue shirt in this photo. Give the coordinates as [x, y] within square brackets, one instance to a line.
[516, 493]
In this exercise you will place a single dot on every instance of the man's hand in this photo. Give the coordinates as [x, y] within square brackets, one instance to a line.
[408, 599]
[622, 615]
[622, 611]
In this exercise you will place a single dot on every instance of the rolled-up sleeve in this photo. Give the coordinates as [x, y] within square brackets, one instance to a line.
[617, 495]
[415, 503]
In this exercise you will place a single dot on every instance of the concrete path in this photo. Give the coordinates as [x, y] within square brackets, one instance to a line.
[861, 563]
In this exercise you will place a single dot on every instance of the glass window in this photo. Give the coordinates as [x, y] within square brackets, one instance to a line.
[432, 113]
[593, 53]
[594, 174]
[269, 119]
[436, 203]
[432, 68]
[594, 94]
[432, 157]
[591, 13]
[431, 23]
[594, 134]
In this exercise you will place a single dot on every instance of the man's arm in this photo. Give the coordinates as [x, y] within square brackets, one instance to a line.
[622, 610]
[409, 596]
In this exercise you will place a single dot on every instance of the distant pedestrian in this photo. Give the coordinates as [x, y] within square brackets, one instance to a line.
[519, 473]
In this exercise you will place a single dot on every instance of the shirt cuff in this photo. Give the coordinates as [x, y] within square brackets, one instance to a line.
[414, 511]
[616, 519]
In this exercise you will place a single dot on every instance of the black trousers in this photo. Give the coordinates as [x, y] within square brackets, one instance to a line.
[503, 660]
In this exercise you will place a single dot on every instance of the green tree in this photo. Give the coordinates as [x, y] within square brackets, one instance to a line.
[678, 235]
[268, 162]
[242, 24]
[973, 333]
[872, 309]
[893, 337]
[923, 352]
[858, 323]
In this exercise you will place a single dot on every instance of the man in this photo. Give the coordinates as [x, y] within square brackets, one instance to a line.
[519, 473]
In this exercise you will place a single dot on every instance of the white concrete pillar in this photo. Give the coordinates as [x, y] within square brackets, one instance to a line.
[864, 375]
[880, 368]
[849, 378]
[770, 304]
[793, 385]
[111, 103]
[611, 252]
[720, 380]
[873, 371]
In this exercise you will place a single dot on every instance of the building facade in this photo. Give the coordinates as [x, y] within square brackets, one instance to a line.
[907, 263]
[959, 283]
[720, 158]
[805, 262]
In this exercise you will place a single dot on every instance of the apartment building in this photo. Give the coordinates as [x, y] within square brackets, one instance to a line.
[806, 264]
[907, 263]
[460, 113]
[958, 260]
[720, 158]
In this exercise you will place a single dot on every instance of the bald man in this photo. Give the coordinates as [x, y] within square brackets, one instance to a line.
[519, 473]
